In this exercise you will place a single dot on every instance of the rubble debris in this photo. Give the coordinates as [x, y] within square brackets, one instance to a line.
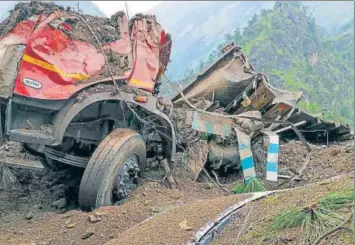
[93, 218]
[197, 156]
[243, 90]
[183, 225]
[87, 234]
[29, 216]
[70, 225]
[61, 203]
[23, 11]
[241, 93]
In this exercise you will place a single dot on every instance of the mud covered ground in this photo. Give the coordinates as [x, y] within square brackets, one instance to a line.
[41, 207]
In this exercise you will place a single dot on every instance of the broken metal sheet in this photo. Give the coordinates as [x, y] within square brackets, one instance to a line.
[21, 163]
[260, 97]
[211, 124]
[272, 156]
[246, 155]
[225, 78]
[279, 109]
[285, 95]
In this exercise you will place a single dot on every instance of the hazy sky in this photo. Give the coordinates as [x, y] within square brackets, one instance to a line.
[111, 7]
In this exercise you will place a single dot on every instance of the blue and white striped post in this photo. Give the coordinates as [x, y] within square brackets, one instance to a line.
[246, 156]
[272, 156]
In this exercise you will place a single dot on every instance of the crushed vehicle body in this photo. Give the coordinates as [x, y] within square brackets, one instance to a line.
[232, 104]
[78, 89]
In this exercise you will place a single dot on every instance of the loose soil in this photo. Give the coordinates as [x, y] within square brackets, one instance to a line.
[177, 225]
[50, 225]
[265, 210]
[27, 215]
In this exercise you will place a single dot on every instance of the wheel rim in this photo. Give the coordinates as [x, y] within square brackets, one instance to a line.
[126, 180]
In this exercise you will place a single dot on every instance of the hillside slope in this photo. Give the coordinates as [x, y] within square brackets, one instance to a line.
[198, 27]
[286, 44]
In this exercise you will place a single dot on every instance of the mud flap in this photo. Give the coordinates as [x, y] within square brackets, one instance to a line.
[246, 156]
[272, 156]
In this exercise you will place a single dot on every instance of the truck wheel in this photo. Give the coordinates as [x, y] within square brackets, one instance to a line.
[112, 172]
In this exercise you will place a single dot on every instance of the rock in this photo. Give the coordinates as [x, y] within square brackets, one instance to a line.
[29, 216]
[87, 235]
[94, 218]
[124, 212]
[61, 203]
[99, 213]
[38, 206]
[183, 225]
[209, 185]
[72, 225]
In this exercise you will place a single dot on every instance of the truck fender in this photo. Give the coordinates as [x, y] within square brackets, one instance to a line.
[73, 107]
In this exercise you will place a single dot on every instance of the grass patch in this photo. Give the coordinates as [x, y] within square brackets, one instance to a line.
[254, 185]
[337, 200]
[316, 218]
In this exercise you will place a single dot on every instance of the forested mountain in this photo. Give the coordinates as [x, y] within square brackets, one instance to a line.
[199, 26]
[286, 44]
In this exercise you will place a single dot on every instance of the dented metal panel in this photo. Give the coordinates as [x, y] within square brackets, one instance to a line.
[225, 78]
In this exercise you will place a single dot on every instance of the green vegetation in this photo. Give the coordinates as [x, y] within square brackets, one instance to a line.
[254, 185]
[286, 44]
[316, 218]
[337, 200]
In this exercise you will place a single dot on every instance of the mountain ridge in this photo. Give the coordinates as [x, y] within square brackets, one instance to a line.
[198, 27]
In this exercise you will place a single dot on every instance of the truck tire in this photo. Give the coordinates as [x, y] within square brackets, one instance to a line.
[112, 171]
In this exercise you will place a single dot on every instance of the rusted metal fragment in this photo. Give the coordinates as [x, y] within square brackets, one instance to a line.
[260, 97]
[197, 155]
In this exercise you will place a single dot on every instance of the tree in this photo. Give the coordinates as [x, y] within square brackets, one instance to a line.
[211, 58]
[201, 66]
[237, 36]
[228, 37]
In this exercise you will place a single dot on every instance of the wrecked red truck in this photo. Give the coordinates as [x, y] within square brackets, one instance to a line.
[77, 89]
[82, 91]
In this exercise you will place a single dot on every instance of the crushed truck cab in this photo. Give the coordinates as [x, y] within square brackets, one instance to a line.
[73, 86]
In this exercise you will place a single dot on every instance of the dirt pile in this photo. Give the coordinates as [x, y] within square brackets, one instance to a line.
[28, 209]
[68, 225]
[27, 192]
[23, 11]
[16, 150]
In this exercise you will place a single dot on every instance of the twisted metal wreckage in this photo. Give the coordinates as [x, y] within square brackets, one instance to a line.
[230, 94]
[82, 91]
